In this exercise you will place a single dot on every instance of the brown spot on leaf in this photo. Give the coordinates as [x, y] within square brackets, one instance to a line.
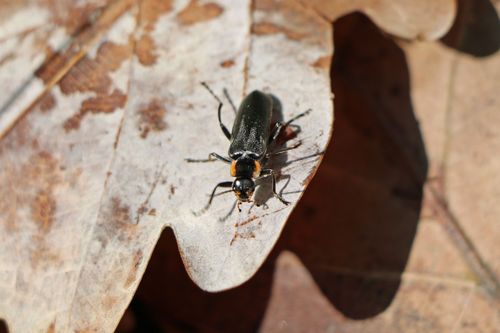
[247, 234]
[43, 168]
[151, 118]
[52, 328]
[51, 66]
[121, 222]
[145, 50]
[32, 186]
[43, 209]
[245, 222]
[227, 63]
[132, 275]
[92, 75]
[72, 16]
[43, 164]
[151, 10]
[56, 65]
[195, 12]
[120, 213]
[47, 102]
[102, 103]
[21, 183]
[18, 137]
[141, 210]
[323, 62]
[244, 235]
[268, 28]
[43, 253]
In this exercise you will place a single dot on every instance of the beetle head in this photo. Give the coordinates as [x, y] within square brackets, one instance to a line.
[243, 188]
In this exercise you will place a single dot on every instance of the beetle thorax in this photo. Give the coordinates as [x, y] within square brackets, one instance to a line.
[245, 167]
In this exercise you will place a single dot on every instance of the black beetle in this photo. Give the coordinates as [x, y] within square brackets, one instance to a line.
[250, 138]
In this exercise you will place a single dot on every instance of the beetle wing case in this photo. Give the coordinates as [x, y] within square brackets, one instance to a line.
[251, 126]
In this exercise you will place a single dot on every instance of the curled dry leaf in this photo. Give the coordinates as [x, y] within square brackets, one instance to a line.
[423, 19]
[94, 146]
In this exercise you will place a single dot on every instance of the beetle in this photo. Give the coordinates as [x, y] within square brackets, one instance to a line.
[251, 135]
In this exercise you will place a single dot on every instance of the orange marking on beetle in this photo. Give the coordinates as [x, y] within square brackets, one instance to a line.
[256, 171]
[233, 169]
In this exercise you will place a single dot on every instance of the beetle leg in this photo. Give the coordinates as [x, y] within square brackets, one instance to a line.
[275, 132]
[222, 126]
[281, 151]
[222, 184]
[211, 157]
[269, 172]
[280, 126]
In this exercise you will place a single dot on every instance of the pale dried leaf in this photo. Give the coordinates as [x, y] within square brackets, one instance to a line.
[36, 31]
[95, 169]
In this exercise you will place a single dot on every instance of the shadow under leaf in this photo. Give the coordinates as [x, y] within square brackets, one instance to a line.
[358, 218]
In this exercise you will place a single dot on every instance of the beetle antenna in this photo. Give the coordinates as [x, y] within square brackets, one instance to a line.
[211, 92]
[226, 93]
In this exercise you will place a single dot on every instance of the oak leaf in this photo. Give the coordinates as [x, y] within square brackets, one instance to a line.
[101, 105]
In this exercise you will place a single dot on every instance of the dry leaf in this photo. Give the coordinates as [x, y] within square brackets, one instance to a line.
[94, 144]
[376, 240]
[422, 19]
[96, 168]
